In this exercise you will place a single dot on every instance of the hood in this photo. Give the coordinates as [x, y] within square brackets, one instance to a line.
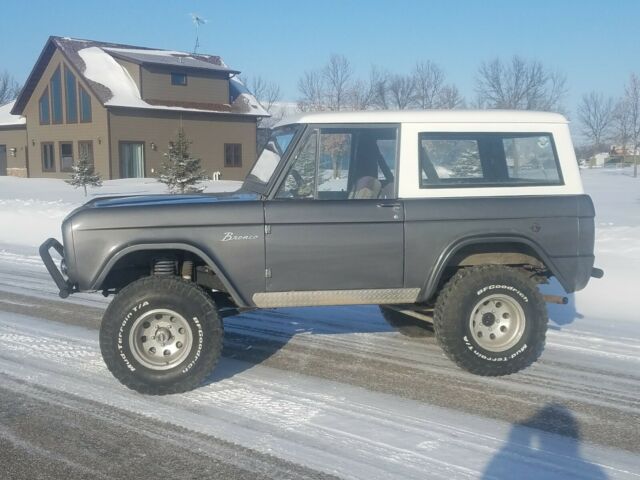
[164, 200]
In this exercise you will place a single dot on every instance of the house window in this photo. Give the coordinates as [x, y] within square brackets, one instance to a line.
[233, 155]
[66, 156]
[85, 106]
[178, 78]
[48, 157]
[85, 151]
[70, 96]
[56, 97]
[45, 117]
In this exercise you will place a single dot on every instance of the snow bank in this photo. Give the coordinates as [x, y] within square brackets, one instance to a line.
[31, 209]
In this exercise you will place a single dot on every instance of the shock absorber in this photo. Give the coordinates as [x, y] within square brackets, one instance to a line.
[187, 270]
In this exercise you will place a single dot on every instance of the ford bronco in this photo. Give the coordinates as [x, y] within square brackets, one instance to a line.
[447, 219]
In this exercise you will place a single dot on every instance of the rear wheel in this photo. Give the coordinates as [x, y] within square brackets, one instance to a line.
[491, 320]
[161, 335]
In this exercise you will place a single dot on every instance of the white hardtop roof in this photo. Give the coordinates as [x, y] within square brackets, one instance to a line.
[427, 116]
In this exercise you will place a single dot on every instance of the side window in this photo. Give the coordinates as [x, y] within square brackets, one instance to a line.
[300, 181]
[451, 159]
[487, 159]
[531, 159]
[334, 162]
[339, 163]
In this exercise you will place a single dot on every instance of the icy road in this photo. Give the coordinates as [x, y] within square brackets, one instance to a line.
[330, 392]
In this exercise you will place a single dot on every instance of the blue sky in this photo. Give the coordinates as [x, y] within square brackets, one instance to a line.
[595, 43]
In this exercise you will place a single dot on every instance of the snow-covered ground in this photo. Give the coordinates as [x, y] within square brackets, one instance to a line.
[335, 389]
[31, 209]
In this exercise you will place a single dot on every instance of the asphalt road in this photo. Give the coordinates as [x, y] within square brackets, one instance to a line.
[305, 393]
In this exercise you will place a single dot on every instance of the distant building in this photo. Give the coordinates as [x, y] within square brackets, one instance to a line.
[121, 105]
[13, 143]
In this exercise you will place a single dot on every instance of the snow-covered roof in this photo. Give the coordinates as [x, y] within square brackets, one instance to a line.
[428, 116]
[171, 58]
[114, 87]
[7, 119]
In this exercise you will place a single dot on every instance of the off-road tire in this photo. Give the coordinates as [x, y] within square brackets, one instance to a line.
[405, 324]
[457, 302]
[152, 294]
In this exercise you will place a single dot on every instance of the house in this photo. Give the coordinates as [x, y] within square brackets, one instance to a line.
[120, 106]
[13, 143]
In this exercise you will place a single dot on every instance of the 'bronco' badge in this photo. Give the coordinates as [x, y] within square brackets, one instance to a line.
[230, 236]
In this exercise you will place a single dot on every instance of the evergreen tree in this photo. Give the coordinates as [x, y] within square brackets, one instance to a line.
[180, 171]
[84, 174]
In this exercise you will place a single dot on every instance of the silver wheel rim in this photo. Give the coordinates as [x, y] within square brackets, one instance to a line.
[160, 339]
[497, 323]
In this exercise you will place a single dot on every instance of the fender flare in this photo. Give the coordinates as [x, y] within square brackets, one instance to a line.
[106, 267]
[431, 283]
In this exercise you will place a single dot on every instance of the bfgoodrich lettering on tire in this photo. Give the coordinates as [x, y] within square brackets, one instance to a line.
[161, 335]
[491, 320]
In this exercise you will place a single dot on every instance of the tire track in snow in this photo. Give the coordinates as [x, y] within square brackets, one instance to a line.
[321, 424]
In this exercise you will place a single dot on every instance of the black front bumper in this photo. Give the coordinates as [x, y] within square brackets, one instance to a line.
[65, 286]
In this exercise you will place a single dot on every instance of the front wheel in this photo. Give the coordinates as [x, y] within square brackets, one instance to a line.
[161, 335]
[491, 320]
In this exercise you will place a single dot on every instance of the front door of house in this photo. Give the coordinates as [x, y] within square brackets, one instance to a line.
[131, 159]
[3, 160]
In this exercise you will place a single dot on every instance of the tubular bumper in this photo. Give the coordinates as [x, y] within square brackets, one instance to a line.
[66, 288]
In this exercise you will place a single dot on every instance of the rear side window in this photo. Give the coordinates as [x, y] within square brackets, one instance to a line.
[487, 159]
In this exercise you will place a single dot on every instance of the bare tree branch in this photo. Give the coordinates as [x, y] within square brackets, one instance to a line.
[449, 98]
[337, 76]
[401, 91]
[428, 79]
[632, 103]
[621, 124]
[312, 91]
[9, 88]
[519, 84]
[596, 115]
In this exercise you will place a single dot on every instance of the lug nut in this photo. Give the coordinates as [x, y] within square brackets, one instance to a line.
[503, 328]
[172, 319]
[167, 353]
[143, 339]
[152, 350]
[479, 334]
[146, 325]
[181, 330]
[158, 316]
[498, 304]
[492, 336]
[178, 344]
[505, 315]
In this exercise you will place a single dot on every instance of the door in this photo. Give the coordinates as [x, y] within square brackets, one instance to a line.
[334, 223]
[3, 160]
[131, 160]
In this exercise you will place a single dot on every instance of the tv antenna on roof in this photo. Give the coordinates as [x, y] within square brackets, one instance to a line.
[197, 21]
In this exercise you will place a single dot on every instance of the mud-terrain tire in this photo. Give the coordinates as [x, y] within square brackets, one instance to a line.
[491, 320]
[161, 335]
[406, 324]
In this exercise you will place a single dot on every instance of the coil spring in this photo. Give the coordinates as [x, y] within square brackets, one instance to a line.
[164, 267]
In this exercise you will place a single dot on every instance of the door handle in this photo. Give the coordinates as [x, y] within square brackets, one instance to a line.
[388, 205]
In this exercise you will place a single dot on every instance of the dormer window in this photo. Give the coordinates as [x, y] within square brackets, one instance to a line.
[178, 78]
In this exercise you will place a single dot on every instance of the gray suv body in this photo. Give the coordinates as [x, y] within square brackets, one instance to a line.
[449, 220]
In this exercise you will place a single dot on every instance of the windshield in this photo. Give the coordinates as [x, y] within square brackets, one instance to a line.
[270, 157]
